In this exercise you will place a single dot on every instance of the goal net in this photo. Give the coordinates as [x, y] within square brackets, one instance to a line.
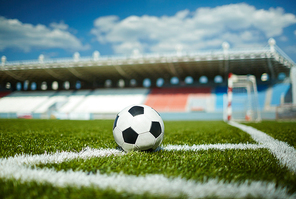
[242, 98]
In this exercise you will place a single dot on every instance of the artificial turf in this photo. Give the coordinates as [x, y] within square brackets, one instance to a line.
[37, 136]
[281, 130]
[14, 189]
[226, 165]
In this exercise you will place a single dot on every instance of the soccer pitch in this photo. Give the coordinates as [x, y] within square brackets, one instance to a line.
[197, 159]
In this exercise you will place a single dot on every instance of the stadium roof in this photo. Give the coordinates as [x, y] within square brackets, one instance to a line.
[256, 61]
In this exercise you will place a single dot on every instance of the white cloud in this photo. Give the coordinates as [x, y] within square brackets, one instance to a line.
[239, 24]
[24, 36]
[283, 38]
[61, 25]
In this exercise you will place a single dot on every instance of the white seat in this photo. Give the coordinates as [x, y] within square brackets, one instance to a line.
[111, 100]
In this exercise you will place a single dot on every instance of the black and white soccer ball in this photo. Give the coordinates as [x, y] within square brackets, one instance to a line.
[138, 128]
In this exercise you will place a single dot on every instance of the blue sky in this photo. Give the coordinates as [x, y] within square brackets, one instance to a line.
[59, 28]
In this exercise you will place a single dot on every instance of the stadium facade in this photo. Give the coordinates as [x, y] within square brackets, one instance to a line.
[180, 85]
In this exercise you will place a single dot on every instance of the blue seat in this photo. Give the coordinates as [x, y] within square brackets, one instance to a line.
[277, 91]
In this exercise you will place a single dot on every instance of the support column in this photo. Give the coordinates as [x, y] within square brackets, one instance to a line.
[271, 43]
[229, 97]
[293, 81]
[225, 46]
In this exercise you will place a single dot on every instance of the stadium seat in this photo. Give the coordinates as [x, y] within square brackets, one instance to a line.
[54, 101]
[74, 100]
[176, 99]
[110, 100]
[23, 102]
[4, 93]
[219, 92]
[277, 91]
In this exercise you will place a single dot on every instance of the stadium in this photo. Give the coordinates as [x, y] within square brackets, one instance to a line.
[179, 85]
[57, 116]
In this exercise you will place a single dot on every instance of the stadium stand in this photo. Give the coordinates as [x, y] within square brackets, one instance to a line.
[279, 91]
[74, 100]
[106, 84]
[4, 93]
[180, 99]
[54, 101]
[176, 99]
[219, 92]
[110, 100]
[23, 101]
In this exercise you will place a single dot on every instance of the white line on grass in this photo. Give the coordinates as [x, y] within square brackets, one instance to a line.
[18, 167]
[59, 157]
[281, 150]
[212, 146]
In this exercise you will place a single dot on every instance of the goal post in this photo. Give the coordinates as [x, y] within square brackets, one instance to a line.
[242, 98]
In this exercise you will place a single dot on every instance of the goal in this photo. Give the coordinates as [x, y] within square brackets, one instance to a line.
[242, 98]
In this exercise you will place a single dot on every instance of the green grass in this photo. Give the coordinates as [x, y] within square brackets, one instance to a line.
[227, 165]
[203, 132]
[14, 189]
[38, 136]
[281, 130]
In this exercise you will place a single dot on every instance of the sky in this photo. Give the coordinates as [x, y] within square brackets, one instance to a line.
[58, 29]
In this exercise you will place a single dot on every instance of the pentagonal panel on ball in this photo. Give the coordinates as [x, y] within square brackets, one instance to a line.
[141, 124]
[145, 141]
[129, 136]
[136, 110]
[155, 129]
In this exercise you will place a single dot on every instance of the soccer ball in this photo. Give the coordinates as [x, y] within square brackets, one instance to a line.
[138, 128]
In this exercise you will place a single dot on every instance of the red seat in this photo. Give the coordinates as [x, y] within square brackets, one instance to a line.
[4, 93]
[172, 99]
